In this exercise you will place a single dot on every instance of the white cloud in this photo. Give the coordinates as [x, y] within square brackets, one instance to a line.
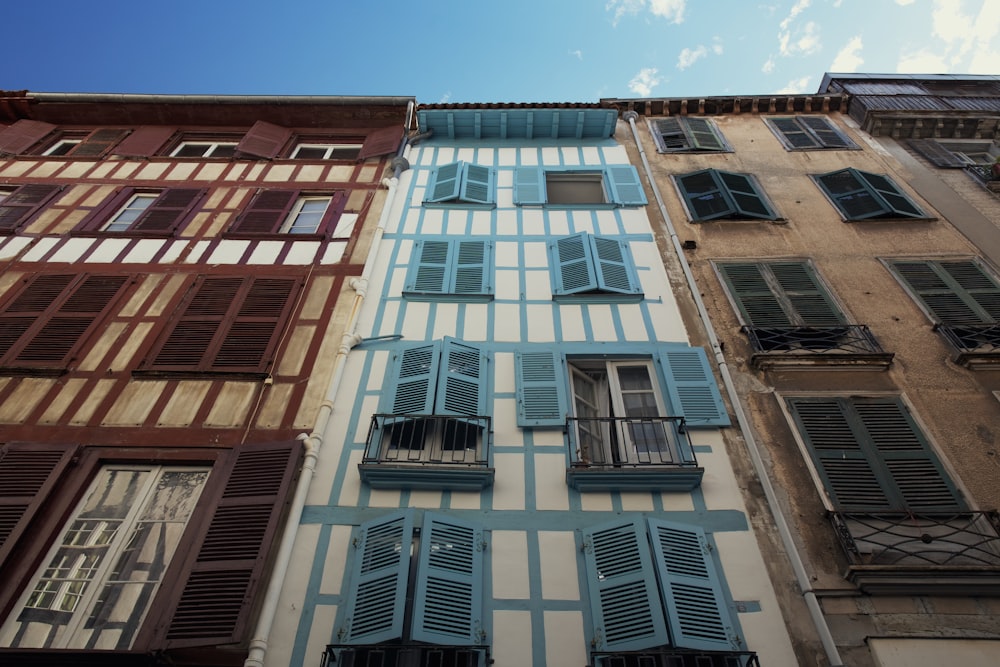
[768, 67]
[642, 84]
[922, 62]
[849, 58]
[795, 86]
[717, 46]
[578, 53]
[672, 10]
[444, 98]
[805, 42]
[903, 3]
[799, 7]
[965, 40]
[689, 57]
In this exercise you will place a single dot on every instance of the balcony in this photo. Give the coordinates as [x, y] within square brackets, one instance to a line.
[391, 655]
[976, 345]
[921, 554]
[409, 451]
[630, 454]
[676, 658]
[986, 175]
[850, 345]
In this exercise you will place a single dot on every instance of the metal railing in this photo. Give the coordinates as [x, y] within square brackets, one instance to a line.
[429, 440]
[676, 658]
[840, 339]
[400, 655]
[984, 174]
[974, 338]
[623, 442]
[959, 539]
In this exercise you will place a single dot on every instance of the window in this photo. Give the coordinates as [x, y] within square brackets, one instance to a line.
[225, 325]
[587, 187]
[450, 270]
[956, 154]
[217, 149]
[105, 580]
[20, 204]
[433, 430]
[712, 195]
[962, 297]
[295, 212]
[861, 196]
[84, 144]
[789, 313]
[806, 133]
[140, 212]
[325, 151]
[409, 589]
[461, 183]
[683, 134]
[44, 325]
[586, 266]
[61, 147]
[659, 591]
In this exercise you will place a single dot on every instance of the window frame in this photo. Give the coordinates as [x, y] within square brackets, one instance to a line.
[210, 146]
[795, 296]
[454, 270]
[828, 137]
[728, 194]
[173, 209]
[330, 148]
[621, 184]
[270, 211]
[868, 185]
[587, 268]
[957, 295]
[707, 138]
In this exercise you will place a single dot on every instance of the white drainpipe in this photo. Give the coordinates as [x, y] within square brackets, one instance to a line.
[805, 585]
[314, 441]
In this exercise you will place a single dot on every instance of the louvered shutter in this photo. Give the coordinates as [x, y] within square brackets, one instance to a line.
[252, 338]
[753, 295]
[669, 135]
[413, 381]
[613, 265]
[477, 184]
[624, 600]
[53, 314]
[936, 154]
[692, 388]
[445, 183]
[98, 142]
[381, 142]
[626, 190]
[825, 132]
[22, 135]
[529, 185]
[541, 389]
[704, 135]
[145, 141]
[473, 267]
[852, 196]
[803, 290]
[217, 596]
[894, 198]
[461, 387]
[705, 195]
[166, 214]
[794, 135]
[692, 592]
[28, 473]
[376, 598]
[571, 257]
[955, 292]
[266, 213]
[264, 140]
[744, 194]
[19, 206]
[429, 272]
[448, 606]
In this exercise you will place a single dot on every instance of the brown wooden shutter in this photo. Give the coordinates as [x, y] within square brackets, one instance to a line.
[20, 205]
[22, 135]
[381, 142]
[145, 141]
[97, 217]
[98, 142]
[264, 140]
[168, 212]
[28, 473]
[44, 325]
[338, 202]
[221, 591]
[266, 212]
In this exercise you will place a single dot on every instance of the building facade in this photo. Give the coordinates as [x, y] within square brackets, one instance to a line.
[174, 279]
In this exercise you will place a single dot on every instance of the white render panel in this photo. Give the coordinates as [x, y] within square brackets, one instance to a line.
[550, 155]
[508, 286]
[182, 171]
[481, 223]
[512, 639]
[536, 255]
[457, 223]
[12, 246]
[41, 248]
[508, 489]
[345, 226]
[596, 502]
[415, 321]
[636, 501]
[541, 328]
[557, 550]
[559, 224]
[507, 157]
[433, 221]
[607, 223]
[228, 252]
[506, 432]
[425, 498]
[173, 253]
[320, 633]
[334, 254]
[266, 252]
[905, 652]
[570, 156]
[633, 324]
[475, 326]
[508, 322]
[601, 322]
[565, 642]
[144, 251]
[466, 500]
[350, 490]
[510, 565]
[445, 321]
[198, 250]
[571, 320]
[336, 560]
[152, 170]
[302, 252]
[72, 250]
[551, 492]
[281, 173]
[387, 498]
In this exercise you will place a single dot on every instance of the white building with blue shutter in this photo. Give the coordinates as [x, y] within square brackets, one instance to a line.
[524, 463]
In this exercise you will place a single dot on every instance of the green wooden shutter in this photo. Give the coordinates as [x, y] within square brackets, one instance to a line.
[529, 185]
[541, 388]
[707, 198]
[826, 134]
[794, 135]
[692, 590]
[429, 271]
[704, 135]
[444, 183]
[376, 598]
[691, 387]
[477, 184]
[754, 296]
[745, 196]
[625, 187]
[573, 263]
[613, 265]
[897, 202]
[955, 292]
[448, 605]
[473, 267]
[669, 135]
[624, 600]
[413, 379]
[461, 387]
[937, 154]
[806, 294]
[851, 195]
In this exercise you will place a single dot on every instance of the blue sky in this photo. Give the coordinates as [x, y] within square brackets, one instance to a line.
[486, 51]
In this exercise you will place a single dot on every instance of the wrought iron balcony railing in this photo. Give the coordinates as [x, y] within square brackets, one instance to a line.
[383, 655]
[972, 338]
[842, 339]
[676, 658]
[984, 174]
[429, 439]
[629, 442]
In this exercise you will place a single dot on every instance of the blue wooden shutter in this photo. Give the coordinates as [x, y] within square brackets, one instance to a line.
[444, 183]
[376, 599]
[691, 387]
[624, 601]
[704, 135]
[541, 388]
[894, 199]
[461, 388]
[477, 184]
[745, 196]
[529, 185]
[626, 190]
[692, 592]
[571, 257]
[472, 267]
[448, 606]
[429, 271]
[706, 196]
[613, 265]
[412, 381]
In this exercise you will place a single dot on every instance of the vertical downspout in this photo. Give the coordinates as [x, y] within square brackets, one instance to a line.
[314, 441]
[802, 578]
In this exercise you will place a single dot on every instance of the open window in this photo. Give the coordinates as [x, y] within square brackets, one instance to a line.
[684, 134]
[19, 205]
[582, 187]
[296, 213]
[711, 194]
[860, 195]
[143, 212]
[809, 133]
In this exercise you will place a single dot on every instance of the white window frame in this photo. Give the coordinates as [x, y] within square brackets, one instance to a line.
[330, 150]
[576, 184]
[210, 148]
[292, 224]
[67, 145]
[115, 224]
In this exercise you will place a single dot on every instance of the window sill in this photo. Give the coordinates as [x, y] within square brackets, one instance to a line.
[598, 297]
[32, 371]
[448, 298]
[97, 233]
[612, 478]
[153, 374]
[274, 236]
[806, 359]
[426, 476]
